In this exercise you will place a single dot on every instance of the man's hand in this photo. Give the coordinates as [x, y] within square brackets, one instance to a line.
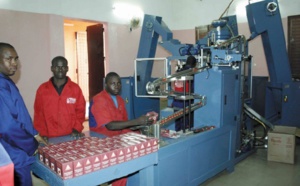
[40, 139]
[145, 120]
[152, 116]
[75, 134]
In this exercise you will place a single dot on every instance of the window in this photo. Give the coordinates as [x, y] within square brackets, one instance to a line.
[294, 45]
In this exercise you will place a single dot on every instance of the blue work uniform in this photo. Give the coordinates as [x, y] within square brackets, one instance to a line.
[16, 130]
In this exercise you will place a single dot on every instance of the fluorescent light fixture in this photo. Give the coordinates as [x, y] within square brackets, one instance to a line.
[241, 9]
[127, 11]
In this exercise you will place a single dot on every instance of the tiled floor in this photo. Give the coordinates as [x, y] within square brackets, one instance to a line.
[38, 182]
[257, 171]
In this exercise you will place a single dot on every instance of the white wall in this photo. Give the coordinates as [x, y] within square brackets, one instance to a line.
[122, 49]
[37, 39]
[179, 14]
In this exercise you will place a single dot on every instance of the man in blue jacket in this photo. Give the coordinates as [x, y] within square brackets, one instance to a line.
[17, 134]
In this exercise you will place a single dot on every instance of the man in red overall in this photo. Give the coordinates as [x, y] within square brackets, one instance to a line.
[108, 114]
[59, 107]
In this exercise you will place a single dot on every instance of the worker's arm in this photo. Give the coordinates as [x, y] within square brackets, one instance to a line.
[118, 125]
[12, 131]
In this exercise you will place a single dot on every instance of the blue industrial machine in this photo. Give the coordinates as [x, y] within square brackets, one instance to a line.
[220, 104]
[217, 100]
[282, 92]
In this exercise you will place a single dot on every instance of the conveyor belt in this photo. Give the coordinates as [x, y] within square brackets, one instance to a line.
[254, 115]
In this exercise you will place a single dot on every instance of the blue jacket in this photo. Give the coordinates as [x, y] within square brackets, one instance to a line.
[16, 128]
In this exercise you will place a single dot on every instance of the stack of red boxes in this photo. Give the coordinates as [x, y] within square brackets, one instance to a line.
[75, 158]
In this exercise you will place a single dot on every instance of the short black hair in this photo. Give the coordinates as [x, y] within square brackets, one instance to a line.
[5, 45]
[58, 58]
[110, 75]
[191, 61]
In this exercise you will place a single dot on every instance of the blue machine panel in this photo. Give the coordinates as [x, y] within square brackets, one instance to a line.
[221, 87]
[207, 154]
[173, 169]
[127, 95]
[291, 104]
[230, 95]
[283, 103]
[193, 159]
[136, 106]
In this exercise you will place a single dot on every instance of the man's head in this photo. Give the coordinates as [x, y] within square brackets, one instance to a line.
[8, 59]
[59, 67]
[113, 83]
[191, 62]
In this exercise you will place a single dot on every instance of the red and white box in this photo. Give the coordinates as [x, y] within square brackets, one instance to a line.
[94, 159]
[102, 155]
[121, 155]
[61, 150]
[77, 165]
[52, 160]
[142, 149]
[112, 156]
[128, 153]
[47, 155]
[104, 158]
[135, 151]
[75, 158]
[87, 163]
[127, 149]
[148, 146]
[140, 144]
[154, 143]
[64, 167]
[41, 151]
[68, 153]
